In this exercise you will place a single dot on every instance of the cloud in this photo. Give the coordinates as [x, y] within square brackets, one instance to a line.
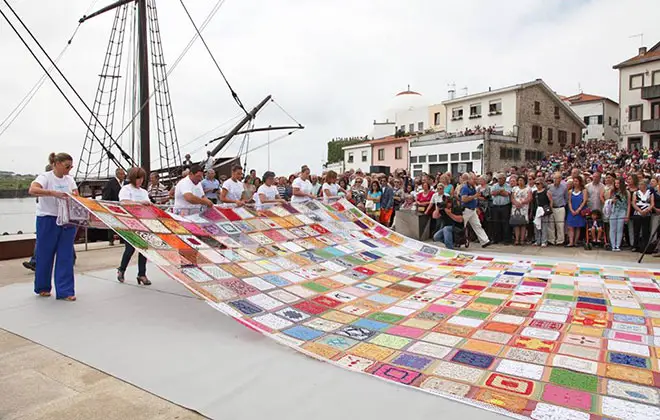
[334, 66]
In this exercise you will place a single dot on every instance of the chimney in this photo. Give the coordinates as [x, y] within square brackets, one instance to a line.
[642, 50]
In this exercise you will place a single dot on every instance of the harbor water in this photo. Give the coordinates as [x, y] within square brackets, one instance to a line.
[17, 214]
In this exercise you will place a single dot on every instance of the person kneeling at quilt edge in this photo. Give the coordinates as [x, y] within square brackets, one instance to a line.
[452, 222]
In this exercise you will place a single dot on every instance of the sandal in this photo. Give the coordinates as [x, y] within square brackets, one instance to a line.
[120, 276]
[44, 294]
[68, 298]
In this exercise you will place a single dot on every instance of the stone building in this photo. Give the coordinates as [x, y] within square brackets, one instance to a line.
[528, 121]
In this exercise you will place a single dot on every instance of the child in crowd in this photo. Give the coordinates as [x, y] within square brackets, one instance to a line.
[596, 227]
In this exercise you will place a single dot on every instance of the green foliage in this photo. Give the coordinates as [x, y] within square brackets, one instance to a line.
[18, 182]
[335, 152]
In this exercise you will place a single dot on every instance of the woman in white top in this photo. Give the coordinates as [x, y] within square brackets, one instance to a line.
[331, 189]
[302, 187]
[267, 194]
[232, 189]
[54, 240]
[133, 193]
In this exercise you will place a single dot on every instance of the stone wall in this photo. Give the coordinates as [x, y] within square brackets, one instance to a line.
[527, 117]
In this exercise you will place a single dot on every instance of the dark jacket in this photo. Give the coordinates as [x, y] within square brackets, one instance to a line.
[387, 198]
[111, 190]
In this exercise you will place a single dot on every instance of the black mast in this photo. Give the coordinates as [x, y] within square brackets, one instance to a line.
[143, 52]
[143, 58]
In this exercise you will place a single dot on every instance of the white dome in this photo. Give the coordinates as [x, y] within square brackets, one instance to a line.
[404, 101]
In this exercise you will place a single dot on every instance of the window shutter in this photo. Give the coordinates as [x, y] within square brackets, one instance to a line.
[586, 120]
[600, 119]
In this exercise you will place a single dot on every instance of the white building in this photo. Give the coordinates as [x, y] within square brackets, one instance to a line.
[433, 154]
[411, 113]
[600, 114]
[382, 129]
[493, 108]
[639, 99]
[357, 156]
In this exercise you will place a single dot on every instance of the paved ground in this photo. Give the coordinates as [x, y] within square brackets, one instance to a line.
[38, 383]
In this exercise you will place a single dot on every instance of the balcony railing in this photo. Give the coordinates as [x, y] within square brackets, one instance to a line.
[651, 126]
[651, 92]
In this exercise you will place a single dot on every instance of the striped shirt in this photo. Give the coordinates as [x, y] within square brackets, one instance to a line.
[158, 193]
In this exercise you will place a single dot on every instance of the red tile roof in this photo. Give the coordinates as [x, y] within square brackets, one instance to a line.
[389, 139]
[652, 54]
[583, 97]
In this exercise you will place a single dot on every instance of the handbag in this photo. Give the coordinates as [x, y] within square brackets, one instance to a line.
[518, 218]
[370, 205]
[436, 213]
[547, 210]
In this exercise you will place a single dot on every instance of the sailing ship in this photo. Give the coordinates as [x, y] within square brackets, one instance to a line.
[134, 60]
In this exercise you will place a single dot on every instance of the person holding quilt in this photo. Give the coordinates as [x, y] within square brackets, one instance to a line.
[133, 193]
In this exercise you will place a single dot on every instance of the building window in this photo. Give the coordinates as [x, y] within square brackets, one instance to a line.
[562, 136]
[402, 128]
[350, 157]
[537, 107]
[465, 156]
[609, 121]
[556, 112]
[420, 126]
[422, 159]
[413, 159]
[454, 156]
[433, 158]
[436, 119]
[443, 158]
[411, 128]
[635, 112]
[398, 152]
[655, 78]
[475, 111]
[457, 113]
[655, 111]
[476, 155]
[537, 133]
[573, 139]
[364, 156]
[534, 155]
[550, 134]
[594, 120]
[636, 81]
[381, 154]
[495, 107]
[509, 153]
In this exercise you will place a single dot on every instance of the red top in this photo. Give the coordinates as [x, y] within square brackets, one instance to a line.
[424, 198]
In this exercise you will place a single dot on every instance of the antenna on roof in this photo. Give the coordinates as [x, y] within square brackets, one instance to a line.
[451, 93]
[580, 88]
[641, 38]
[408, 87]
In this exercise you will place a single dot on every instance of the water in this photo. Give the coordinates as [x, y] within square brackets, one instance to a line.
[17, 214]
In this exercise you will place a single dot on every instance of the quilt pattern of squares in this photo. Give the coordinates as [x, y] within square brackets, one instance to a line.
[525, 338]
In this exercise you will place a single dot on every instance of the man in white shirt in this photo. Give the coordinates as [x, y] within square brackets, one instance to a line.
[188, 193]
[233, 188]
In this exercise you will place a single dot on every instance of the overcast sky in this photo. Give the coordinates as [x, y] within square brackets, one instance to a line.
[334, 65]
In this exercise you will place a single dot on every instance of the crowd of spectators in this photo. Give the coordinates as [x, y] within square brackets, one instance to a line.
[593, 194]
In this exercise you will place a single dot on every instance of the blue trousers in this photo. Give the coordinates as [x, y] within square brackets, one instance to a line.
[446, 236]
[52, 241]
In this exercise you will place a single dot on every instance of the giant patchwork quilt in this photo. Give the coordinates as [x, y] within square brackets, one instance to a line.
[528, 339]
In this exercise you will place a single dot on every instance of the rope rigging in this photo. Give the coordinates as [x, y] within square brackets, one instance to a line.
[25, 101]
[126, 157]
[231, 89]
[57, 86]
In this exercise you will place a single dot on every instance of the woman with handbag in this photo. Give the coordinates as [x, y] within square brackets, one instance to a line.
[520, 198]
[372, 204]
[576, 220]
[543, 200]
[642, 204]
[424, 197]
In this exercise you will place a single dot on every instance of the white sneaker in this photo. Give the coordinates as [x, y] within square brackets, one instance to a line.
[616, 250]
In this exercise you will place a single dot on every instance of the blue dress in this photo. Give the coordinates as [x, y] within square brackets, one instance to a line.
[577, 221]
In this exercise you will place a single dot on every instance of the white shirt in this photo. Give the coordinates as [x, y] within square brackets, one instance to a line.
[130, 193]
[333, 188]
[234, 189]
[186, 186]
[305, 186]
[47, 206]
[269, 192]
